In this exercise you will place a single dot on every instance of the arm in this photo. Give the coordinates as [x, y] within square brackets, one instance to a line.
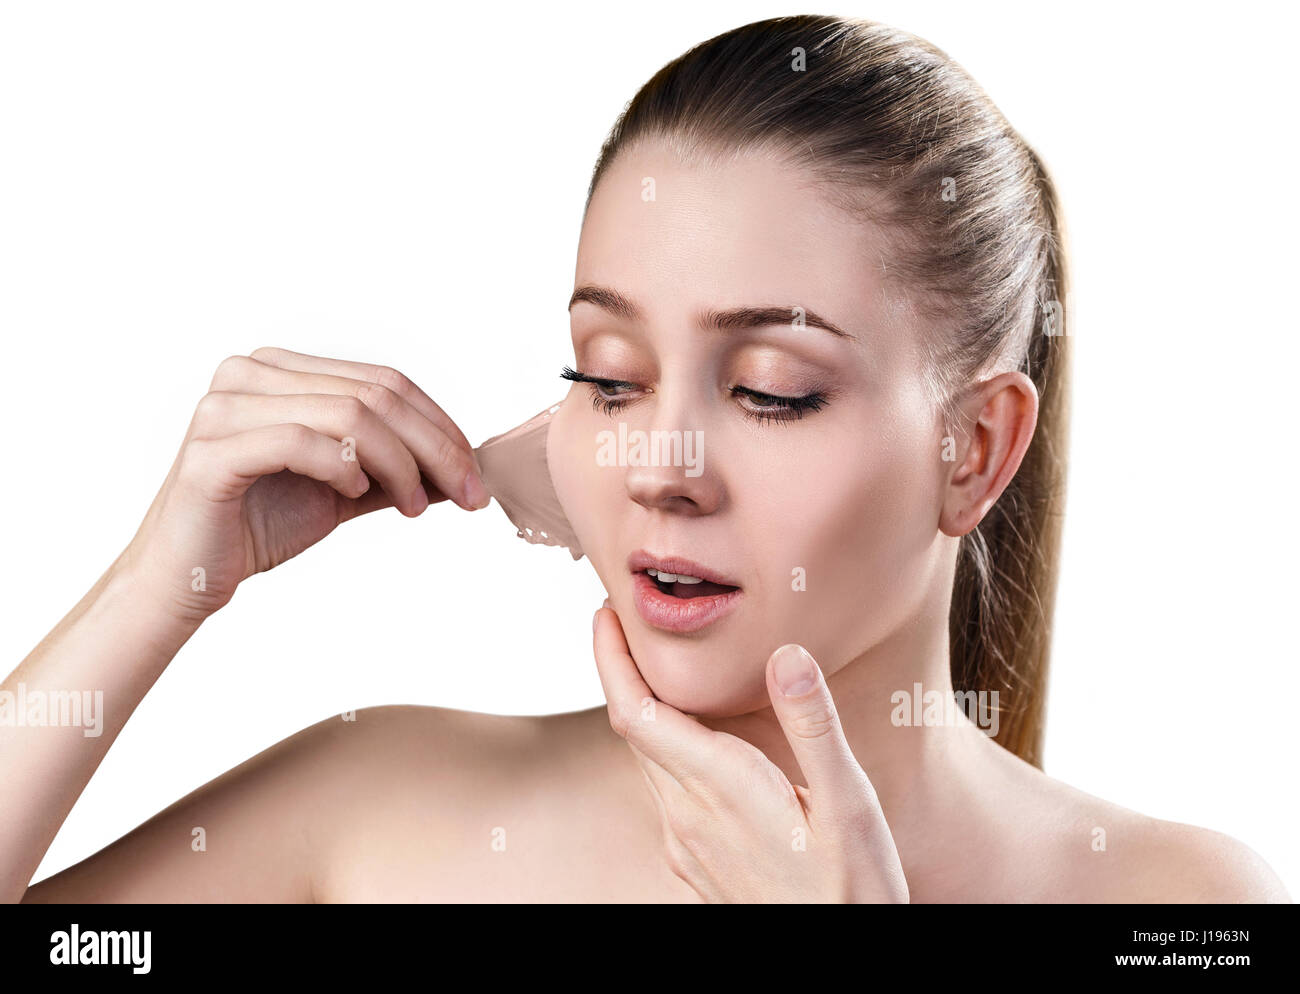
[115, 643]
[282, 449]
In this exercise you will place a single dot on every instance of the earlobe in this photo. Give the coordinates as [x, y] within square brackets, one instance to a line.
[1002, 415]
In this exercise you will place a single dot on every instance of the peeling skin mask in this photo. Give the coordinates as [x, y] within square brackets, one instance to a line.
[516, 473]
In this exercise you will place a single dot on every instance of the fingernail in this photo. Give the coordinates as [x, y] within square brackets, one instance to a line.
[476, 495]
[419, 499]
[595, 618]
[607, 603]
[795, 671]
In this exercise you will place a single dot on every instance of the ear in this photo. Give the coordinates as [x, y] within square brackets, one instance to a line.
[998, 420]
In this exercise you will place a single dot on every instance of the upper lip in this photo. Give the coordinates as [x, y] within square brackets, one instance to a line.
[642, 560]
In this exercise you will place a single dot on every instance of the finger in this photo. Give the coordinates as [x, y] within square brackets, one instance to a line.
[360, 434]
[377, 498]
[681, 746]
[374, 499]
[452, 469]
[681, 860]
[668, 796]
[803, 705]
[662, 784]
[224, 468]
[385, 376]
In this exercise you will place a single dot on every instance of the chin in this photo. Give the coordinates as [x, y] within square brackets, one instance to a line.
[709, 678]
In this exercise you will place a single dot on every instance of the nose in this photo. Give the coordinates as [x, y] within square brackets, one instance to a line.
[673, 475]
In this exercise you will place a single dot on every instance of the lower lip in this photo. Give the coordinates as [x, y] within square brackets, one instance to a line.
[678, 614]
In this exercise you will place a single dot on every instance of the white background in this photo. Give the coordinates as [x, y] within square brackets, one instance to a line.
[403, 183]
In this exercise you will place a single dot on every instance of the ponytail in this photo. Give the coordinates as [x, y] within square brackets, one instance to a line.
[1000, 624]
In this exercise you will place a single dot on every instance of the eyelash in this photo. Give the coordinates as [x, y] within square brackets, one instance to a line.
[789, 409]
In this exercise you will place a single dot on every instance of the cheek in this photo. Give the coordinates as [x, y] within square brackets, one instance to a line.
[582, 486]
[850, 523]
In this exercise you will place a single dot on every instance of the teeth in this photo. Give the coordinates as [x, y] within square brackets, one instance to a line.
[673, 577]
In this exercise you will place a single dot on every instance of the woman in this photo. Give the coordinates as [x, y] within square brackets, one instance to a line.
[815, 245]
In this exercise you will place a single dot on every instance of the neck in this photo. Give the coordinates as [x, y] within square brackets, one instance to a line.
[927, 775]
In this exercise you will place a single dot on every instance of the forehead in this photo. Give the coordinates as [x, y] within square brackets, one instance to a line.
[680, 235]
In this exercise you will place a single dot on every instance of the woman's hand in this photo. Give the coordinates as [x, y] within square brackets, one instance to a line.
[735, 828]
[282, 449]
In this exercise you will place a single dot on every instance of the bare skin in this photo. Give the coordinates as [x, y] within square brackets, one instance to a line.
[401, 806]
[429, 804]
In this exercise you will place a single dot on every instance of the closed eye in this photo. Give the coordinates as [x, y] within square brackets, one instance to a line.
[605, 393]
[771, 407]
[610, 395]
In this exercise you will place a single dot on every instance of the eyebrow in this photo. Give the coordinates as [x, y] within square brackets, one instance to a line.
[732, 319]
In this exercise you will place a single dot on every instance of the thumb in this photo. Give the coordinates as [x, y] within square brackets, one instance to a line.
[802, 703]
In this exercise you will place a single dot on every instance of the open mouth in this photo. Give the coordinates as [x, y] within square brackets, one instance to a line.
[681, 585]
[677, 595]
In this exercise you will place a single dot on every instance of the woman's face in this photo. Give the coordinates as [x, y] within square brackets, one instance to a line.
[822, 511]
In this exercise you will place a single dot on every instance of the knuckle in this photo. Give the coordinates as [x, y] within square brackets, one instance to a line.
[760, 778]
[689, 824]
[448, 454]
[266, 354]
[461, 459]
[678, 859]
[231, 370]
[352, 411]
[812, 724]
[383, 401]
[298, 436]
[194, 458]
[213, 408]
[394, 380]
[410, 475]
[620, 719]
[709, 797]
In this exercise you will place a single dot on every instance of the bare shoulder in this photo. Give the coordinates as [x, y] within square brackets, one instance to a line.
[265, 829]
[1107, 853]
[454, 750]
[1180, 863]
[385, 804]
[437, 804]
